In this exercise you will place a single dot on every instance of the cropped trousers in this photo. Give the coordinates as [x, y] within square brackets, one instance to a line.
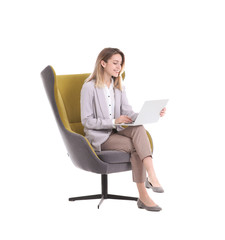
[133, 140]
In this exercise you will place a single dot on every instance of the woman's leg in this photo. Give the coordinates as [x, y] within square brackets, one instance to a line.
[151, 172]
[123, 143]
[143, 195]
[143, 149]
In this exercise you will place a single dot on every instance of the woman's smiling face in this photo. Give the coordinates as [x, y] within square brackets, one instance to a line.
[113, 66]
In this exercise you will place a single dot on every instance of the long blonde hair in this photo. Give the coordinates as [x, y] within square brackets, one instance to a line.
[98, 72]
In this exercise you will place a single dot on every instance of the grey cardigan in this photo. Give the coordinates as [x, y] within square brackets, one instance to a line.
[95, 115]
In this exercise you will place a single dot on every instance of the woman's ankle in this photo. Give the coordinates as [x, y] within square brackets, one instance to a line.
[147, 201]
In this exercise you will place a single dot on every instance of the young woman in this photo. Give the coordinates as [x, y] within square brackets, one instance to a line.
[104, 104]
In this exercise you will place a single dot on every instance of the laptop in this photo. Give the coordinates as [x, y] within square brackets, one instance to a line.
[150, 113]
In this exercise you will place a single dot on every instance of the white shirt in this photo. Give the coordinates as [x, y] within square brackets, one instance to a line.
[110, 100]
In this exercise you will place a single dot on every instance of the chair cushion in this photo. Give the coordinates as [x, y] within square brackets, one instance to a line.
[113, 156]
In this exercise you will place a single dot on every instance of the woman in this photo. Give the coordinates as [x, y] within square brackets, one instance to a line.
[104, 104]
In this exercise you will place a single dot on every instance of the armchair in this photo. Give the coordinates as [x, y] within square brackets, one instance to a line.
[63, 92]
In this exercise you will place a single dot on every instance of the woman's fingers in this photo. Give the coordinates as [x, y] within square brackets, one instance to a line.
[125, 119]
[162, 113]
[128, 119]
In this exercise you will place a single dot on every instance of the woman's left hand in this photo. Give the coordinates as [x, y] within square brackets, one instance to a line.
[162, 113]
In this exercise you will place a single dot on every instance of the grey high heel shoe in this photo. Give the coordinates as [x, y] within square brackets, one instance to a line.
[143, 206]
[154, 189]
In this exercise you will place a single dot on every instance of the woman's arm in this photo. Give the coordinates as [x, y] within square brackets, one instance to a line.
[87, 110]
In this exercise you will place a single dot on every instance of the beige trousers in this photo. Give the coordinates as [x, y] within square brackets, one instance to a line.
[134, 140]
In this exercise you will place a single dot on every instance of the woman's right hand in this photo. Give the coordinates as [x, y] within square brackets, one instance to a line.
[123, 119]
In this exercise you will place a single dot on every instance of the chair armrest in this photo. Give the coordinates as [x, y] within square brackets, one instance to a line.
[82, 154]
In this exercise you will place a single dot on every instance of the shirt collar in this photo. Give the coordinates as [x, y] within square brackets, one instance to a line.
[111, 84]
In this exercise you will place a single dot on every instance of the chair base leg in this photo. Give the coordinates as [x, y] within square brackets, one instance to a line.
[104, 194]
[97, 196]
[102, 199]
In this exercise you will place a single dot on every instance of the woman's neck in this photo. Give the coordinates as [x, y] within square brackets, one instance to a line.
[107, 79]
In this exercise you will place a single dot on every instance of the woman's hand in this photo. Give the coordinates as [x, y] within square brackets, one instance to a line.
[123, 119]
[163, 112]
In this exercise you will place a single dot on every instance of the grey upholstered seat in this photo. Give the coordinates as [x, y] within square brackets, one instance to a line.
[113, 157]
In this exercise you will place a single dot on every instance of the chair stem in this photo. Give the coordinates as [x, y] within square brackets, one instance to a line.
[104, 178]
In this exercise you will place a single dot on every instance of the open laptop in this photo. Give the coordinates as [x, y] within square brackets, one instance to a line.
[150, 113]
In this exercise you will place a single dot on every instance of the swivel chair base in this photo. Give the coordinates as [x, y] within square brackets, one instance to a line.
[104, 195]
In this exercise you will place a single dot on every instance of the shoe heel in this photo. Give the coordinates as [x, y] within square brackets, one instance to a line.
[139, 204]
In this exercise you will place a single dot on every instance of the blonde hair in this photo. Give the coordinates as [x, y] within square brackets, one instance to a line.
[98, 72]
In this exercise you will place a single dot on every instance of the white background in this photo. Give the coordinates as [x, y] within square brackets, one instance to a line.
[174, 49]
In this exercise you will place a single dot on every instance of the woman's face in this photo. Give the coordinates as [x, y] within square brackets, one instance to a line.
[113, 66]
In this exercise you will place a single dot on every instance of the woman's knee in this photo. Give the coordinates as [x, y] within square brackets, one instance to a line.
[139, 128]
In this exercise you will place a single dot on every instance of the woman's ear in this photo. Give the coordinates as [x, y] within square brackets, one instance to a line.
[103, 63]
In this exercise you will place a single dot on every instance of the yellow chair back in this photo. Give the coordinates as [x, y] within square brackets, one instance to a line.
[67, 95]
